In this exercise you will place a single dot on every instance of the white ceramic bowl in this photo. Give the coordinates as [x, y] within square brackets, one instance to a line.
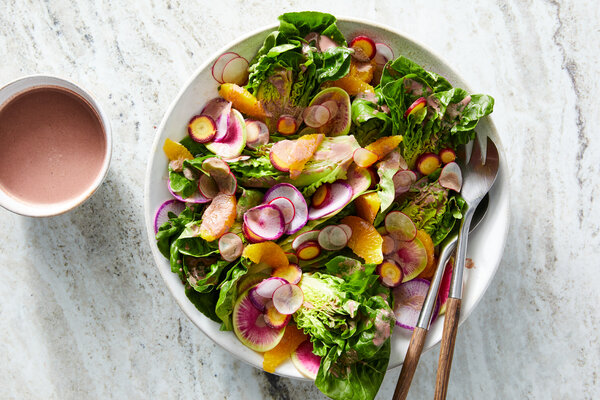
[485, 245]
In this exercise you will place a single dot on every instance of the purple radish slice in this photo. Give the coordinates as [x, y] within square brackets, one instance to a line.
[292, 258]
[235, 141]
[230, 246]
[258, 301]
[291, 193]
[269, 285]
[400, 226]
[451, 177]
[250, 327]
[341, 195]
[196, 198]
[305, 361]
[346, 229]
[411, 257]
[359, 179]
[265, 221]
[321, 196]
[408, 301]
[219, 65]
[202, 128]
[287, 125]
[162, 215]
[236, 159]
[316, 116]
[390, 274]
[236, 71]
[383, 53]
[249, 280]
[274, 318]
[305, 237]
[257, 134]
[403, 180]
[219, 110]
[388, 246]
[333, 238]
[252, 238]
[288, 298]
[308, 250]
[208, 187]
[286, 207]
[220, 172]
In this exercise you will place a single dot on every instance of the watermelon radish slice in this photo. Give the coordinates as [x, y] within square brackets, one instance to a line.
[236, 71]
[250, 327]
[196, 198]
[412, 258]
[341, 195]
[258, 301]
[230, 246]
[400, 226]
[162, 215]
[257, 134]
[408, 301]
[305, 237]
[219, 65]
[292, 194]
[305, 361]
[288, 298]
[286, 207]
[269, 285]
[333, 238]
[208, 187]
[265, 222]
[219, 111]
[274, 318]
[451, 177]
[235, 141]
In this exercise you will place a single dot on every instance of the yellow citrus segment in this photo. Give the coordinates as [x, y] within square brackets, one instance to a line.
[383, 146]
[365, 241]
[351, 85]
[303, 150]
[429, 270]
[242, 100]
[176, 151]
[289, 342]
[362, 70]
[218, 217]
[367, 206]
[267, 252]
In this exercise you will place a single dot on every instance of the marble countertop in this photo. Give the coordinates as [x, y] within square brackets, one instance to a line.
[84, 312]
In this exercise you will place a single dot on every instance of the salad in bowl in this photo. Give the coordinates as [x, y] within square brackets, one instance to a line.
[308, 197]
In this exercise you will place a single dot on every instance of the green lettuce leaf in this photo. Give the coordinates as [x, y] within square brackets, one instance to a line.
[228, 294]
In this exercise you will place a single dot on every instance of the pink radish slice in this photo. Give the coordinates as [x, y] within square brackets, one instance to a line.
[252, 238]
[250, 327]
[219, 65]
[265, 221]
[412, 258]
[403, 180]
[288, 298]
[230, 246]
[308, 250]
[408, 301]
[341, 195]
[291, 193]
[236, 159]
[286, 207]
[208, 187]
[274, 318]
[280, 155]
[384, 53]
[269, 285]
[316, 116]
[236, 71]
[332, 106]
[219, 110]
[388, 246]
[220, 172]
[258, 301]
[196, 198]
[332, 238]
[162, 215]
[347, 230]
[305, 361]
[451, 177]
[359, 179]
[305, 237]
[257, 134]
[235, 141]
[400, 226]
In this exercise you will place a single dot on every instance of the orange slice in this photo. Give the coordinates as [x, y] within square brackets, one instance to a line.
[429, 270]
[242, 100]
[289, 342]
[367, 206]
[384, 146]
[362, 70]
[365, 241]
[176, 151]
[267, 252]
[302, 151]
[351, 85]
[218, 217]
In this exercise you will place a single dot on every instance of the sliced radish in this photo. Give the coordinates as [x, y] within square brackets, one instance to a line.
[288, 298]
[250, 327]
[408, 301]
[346, 229]
[280, 155]
[333, 238]
[292, 273]
[162, 215]
[274, 318]
[403, 180]
[219, 110]
[359, 179]
[265, 221]
[250, 279]
[451, 177]
[417, 105]
[287, 125]
[268, 286]
[384, 53]
[305, 361]
[364, 45]
[219, 65]
[196, 198]
[291, 193]
[364, 158]
[220, 172]
[390, 274]
[207, 186]
[251, 236]
[447, 155]
[400, 226]
[322, 196]
[316, 116]
[411, 257]
[286, 207]
[258, 301]
[341, 195]
[202, 128]
[308, 250]
[235, 141]
[428, 163]
[236, 159]
[305, 237]
[388, 246]
[257, 134]
[236, 71]
[333, 107]
[230, 246]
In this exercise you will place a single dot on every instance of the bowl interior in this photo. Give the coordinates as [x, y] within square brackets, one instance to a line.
[202, 87]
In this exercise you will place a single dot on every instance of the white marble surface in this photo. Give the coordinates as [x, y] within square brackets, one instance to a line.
[84, 313]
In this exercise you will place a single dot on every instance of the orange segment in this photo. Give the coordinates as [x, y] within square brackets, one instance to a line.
[367, 206]
[218, 217]
[429, 270]
[267, 252]
[242, 100]
[302, 151]
[351, 85]
[289, 342]
[384, 146]
[176, 151]
[362, 70]
[365, 241]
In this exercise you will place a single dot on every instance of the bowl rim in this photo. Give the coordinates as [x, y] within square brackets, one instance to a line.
[183, 301]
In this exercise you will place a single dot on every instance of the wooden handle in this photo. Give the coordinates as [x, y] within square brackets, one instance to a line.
[410, 363]
[447, 348]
